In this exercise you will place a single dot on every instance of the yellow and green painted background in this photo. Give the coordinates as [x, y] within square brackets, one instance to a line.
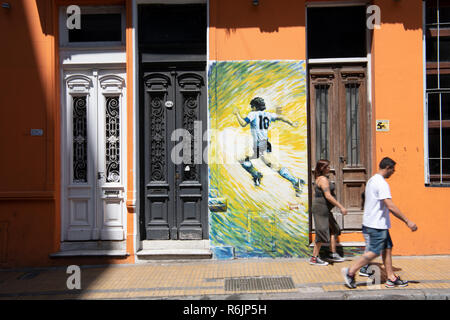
[245, 220]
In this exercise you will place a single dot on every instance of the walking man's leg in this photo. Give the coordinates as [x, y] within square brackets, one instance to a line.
[362, 261]
[364, 271]
[349, 273]
[392, 279]
[387, 261]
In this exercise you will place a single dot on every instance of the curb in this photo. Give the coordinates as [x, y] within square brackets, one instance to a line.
[411, 294]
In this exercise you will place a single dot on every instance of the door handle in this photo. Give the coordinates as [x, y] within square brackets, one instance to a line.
[169, 104]
[100, 175]
[342, 159]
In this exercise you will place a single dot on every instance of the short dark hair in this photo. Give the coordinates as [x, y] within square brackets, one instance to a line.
[258, 103]
[387, 162]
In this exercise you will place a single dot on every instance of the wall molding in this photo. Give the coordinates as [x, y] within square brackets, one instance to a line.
[27, 195]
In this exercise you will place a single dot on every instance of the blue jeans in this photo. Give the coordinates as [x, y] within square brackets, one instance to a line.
[380, 239]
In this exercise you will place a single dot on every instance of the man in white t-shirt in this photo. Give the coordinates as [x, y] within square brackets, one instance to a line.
[260, 121]
[376, 225]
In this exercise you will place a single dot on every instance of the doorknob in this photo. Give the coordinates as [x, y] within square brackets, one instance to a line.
[342, 159]
[100, 175]
[169, 104]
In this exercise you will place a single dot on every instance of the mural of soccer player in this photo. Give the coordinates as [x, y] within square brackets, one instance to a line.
[260, 121]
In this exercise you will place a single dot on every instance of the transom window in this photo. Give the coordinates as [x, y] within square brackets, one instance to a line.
[98, 26]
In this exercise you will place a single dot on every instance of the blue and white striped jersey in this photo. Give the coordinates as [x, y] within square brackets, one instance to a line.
[259, 123]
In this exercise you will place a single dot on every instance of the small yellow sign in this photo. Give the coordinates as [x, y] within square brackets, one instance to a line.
[382, 125]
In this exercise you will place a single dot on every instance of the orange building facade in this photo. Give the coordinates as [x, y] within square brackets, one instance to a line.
[44, 214]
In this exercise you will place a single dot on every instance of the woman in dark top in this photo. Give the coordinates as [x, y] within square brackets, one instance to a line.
[326, 226]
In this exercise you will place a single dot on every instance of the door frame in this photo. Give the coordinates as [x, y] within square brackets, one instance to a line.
[136, 202]
[369, 89]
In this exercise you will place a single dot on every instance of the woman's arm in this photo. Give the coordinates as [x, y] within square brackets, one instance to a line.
[324, 184]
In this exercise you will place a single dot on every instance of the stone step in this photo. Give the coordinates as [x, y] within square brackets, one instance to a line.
[343, 244]
[346, 248]
[174, 249]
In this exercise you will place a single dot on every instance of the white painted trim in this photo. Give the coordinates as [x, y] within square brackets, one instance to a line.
[63, 34]
[112, 83]
[425, 106]
[337, 60]
[92, 58]
[62, 159]
[136, 139]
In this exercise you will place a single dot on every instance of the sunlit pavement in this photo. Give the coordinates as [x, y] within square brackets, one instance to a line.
[290, 278]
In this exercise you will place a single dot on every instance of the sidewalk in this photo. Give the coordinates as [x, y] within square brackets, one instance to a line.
[249, 279]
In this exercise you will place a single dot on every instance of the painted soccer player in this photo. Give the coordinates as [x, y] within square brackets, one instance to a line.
[260, 121]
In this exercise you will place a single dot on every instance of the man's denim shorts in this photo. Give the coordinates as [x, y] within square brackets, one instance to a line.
[380, 239]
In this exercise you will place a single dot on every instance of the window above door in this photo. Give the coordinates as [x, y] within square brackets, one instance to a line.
[172, 32]
[100, 26]
[336, 32]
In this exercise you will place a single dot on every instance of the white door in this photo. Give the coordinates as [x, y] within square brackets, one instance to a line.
[93, 155]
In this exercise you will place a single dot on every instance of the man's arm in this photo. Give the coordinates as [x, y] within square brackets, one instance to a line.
[241, 121]
[286, 120]
[396, 212]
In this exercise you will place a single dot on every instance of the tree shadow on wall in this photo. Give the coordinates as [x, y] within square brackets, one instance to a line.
[270, 15]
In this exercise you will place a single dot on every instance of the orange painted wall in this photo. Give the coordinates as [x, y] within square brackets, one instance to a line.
[273, 30]
[27, 188]
[398, 96]
[276, 30]
[30, 175]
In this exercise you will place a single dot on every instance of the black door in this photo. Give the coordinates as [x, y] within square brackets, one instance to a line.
[175, 183]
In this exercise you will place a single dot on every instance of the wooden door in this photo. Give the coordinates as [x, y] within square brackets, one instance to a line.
[340, 133]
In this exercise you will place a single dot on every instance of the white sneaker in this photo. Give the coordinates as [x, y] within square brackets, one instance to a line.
[335, 257]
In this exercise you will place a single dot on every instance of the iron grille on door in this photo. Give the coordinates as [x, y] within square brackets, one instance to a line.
[93, 185]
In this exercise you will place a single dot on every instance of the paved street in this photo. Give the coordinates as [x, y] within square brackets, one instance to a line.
[248, 279]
